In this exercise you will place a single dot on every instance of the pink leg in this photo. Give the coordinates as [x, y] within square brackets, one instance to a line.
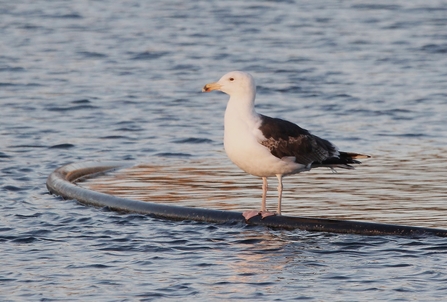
[264, 213]
[279, 176]
[264, 194]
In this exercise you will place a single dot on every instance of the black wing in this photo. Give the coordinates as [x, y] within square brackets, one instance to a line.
[284, 138]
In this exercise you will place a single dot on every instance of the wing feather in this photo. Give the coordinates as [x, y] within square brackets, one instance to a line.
[284, 138]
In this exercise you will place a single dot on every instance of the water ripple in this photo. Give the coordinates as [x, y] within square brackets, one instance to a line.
[111, 81]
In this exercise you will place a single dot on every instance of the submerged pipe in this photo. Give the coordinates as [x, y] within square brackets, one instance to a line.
[61, 182]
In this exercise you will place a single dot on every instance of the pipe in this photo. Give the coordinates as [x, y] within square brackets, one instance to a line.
[62, 182]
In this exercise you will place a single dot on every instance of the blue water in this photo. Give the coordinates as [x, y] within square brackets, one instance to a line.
[121, 80]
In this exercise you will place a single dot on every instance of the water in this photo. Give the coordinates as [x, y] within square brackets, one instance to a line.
[112, 80]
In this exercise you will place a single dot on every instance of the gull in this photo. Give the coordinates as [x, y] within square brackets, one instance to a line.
[264, 146]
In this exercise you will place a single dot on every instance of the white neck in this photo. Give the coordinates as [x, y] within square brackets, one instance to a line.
[242, 106]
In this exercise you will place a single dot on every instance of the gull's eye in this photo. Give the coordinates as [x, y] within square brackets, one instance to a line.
[231, 79]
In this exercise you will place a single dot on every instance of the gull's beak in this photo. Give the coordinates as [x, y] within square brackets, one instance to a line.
[211, 86]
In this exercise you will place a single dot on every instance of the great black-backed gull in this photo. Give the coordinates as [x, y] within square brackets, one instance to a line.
[265, 146]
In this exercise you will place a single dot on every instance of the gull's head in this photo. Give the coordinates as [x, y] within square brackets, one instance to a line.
[233, 83]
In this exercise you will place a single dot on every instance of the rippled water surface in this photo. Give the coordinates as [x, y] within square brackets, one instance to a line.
[115, 80]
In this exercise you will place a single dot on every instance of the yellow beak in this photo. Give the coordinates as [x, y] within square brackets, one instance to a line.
[211, 86]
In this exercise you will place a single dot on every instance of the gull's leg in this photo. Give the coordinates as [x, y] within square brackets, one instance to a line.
[279, 193]
[264, 194]
[264, 213]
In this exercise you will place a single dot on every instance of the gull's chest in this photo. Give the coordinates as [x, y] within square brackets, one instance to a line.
[242, 134]
[242, 144]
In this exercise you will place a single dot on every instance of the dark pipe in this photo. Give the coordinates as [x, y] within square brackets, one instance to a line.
[61, 182]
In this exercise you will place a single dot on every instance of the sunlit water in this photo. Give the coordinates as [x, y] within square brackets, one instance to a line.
[112, 80]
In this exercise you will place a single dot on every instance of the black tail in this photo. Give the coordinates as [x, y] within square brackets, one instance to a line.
[343, 161]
